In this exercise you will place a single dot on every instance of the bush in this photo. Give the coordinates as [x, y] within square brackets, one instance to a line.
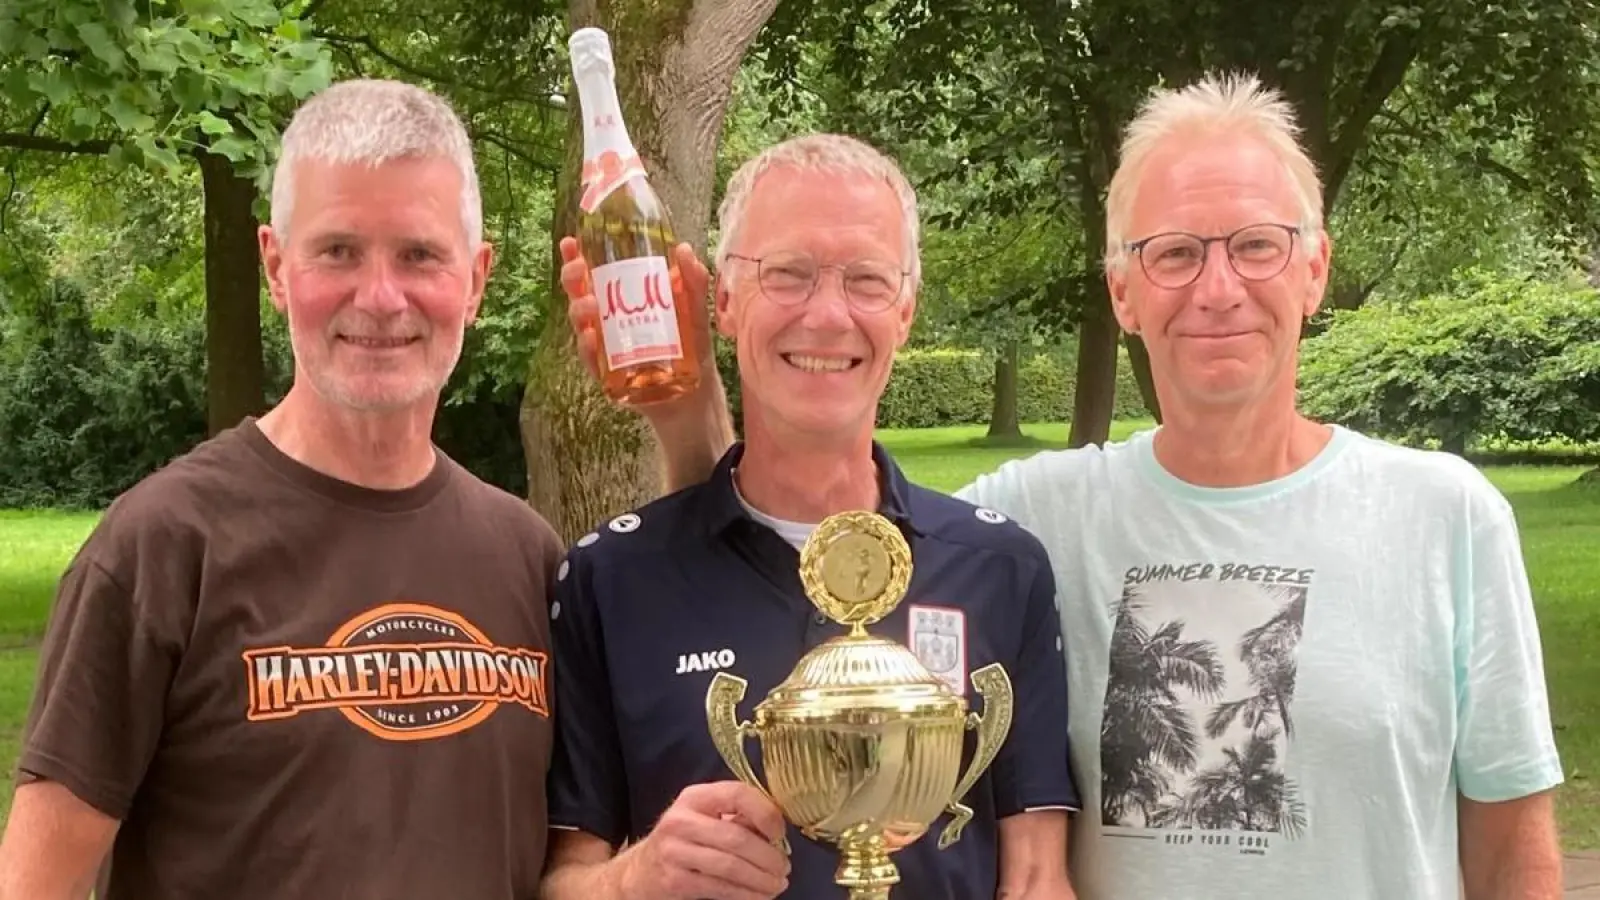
[86, 412]
[1509, 359]
[934, 387]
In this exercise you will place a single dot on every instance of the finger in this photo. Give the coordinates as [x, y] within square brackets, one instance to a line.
[749, 804]
[695, 280]
[589, 350]
[724, 876]
[575, 278]
[569, 249]
[695, 275]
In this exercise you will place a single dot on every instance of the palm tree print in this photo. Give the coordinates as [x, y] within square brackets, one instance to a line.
[1268, 651]
[1147, 735]
[1247, 792]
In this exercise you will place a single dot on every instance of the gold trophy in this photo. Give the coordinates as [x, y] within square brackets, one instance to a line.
[862, 745]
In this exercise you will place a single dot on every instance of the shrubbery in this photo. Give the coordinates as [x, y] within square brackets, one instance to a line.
[85, 411]
[1503, 359]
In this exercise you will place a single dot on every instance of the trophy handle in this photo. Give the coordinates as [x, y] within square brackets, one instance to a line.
[999, 704]
[727, 732]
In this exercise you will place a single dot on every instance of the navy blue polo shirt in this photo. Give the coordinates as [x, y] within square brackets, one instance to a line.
[652, 603]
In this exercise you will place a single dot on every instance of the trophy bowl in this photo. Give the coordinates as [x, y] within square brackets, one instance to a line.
[861, 744]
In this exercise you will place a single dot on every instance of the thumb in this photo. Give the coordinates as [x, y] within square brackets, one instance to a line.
[696, 281]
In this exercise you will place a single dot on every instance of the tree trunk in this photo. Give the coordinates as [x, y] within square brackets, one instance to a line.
[235, 381]
[587, 459]
[1003, 418]
[1095, 387]
[1094, 399]
[1139, 360]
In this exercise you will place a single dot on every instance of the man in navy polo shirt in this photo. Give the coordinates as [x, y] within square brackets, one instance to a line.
[818, 289]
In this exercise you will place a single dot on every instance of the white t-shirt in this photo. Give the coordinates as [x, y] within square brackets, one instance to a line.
[1302, 674]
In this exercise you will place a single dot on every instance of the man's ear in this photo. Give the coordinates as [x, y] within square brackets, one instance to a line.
[726, 324]
[482, 265]
[1117, 287]
[272, 265]
[1321, 262]
[906, 312]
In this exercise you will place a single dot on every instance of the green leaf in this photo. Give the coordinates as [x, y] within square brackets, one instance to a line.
[18, 87]
[288, 29]
[189, 89]
[128, 117]
[86, 116]
[234, 148]
[53, 84]
[212, 124]
[120, 12]
[160, 154]
[157, 55]
[311, 79]
[102, 44]
[259, 14]
[35, 47]
[11, 35]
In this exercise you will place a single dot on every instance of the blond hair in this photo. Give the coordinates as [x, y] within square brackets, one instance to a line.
[1217, 104]
[835, 153]
[373, 121]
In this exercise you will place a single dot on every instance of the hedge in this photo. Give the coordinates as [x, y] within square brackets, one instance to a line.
[931, 387]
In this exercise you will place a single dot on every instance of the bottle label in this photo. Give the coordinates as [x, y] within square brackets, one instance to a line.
[637, 320]
[604, 173]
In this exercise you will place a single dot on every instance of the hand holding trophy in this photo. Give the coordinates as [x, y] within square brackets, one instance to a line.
[862, 746]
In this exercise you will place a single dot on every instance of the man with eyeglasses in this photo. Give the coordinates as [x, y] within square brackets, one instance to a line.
[817, 288]
[1303, 662]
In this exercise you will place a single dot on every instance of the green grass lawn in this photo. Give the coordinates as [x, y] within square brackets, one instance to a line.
[1560, 525]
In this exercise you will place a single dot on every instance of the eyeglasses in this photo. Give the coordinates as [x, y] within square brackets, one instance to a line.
[1175, 259]
[789, 278]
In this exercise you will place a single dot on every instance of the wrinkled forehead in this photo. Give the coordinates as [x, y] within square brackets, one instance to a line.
[1212, 184]
[824, 211]
[411, 196]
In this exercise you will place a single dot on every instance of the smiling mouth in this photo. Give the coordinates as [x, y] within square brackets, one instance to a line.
[821, 363]
[378, 343]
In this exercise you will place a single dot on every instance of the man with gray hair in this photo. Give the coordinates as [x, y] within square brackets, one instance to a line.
[309, 657]
[817, 289]
[1302, 662]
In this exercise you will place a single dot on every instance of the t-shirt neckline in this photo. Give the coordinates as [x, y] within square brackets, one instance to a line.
[1157, 474]
[343, 492]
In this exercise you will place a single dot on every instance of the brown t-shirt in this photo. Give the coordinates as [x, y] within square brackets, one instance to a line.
[289, 686]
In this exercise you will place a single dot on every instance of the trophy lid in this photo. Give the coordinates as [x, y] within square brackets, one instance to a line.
[856, 567]
[858, 662]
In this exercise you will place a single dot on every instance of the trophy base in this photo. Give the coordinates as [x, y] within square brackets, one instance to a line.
[866, 869]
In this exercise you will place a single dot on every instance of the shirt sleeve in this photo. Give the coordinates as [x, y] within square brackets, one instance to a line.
[587, 786]
[99, 699]
[1033, 769]
[1505, 746]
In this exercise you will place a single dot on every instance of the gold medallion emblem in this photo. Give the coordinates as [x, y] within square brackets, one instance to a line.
[856, 568]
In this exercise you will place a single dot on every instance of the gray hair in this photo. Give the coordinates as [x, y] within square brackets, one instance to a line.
[835, 153]
[373, 121]
[1217, 104]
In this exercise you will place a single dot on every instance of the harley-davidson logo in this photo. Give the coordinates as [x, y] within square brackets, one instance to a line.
[402, 672]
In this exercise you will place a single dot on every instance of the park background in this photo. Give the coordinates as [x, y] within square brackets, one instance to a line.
[1457, 140]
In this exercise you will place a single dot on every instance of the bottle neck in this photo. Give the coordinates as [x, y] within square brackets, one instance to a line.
[603, 127]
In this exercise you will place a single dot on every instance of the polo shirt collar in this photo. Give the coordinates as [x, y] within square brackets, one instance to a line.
[723, 508]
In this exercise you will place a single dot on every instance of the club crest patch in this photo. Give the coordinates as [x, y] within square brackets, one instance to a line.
[939, 639]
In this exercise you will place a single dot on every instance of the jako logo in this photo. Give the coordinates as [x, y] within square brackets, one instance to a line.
[403, 672]
[704, 662]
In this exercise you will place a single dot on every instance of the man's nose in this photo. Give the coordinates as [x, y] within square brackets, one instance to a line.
[1219, 287]
[380, 290]
[828, 308]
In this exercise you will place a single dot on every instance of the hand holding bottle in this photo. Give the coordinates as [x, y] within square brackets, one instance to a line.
[583, 311]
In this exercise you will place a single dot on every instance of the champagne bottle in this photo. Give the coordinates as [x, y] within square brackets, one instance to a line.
[626, 238]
